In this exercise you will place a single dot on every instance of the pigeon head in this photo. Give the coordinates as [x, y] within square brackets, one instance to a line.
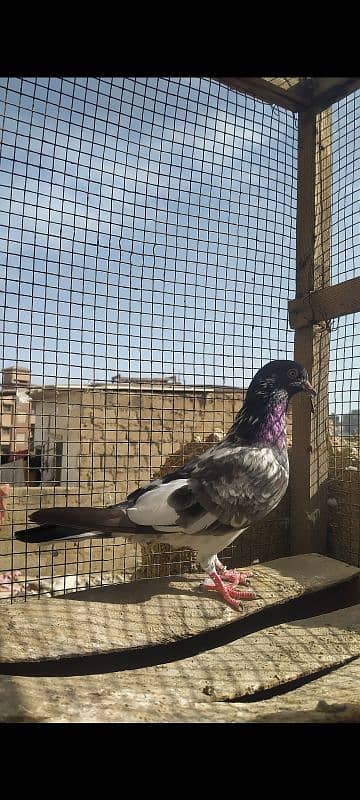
[281, 379]
[262, 418]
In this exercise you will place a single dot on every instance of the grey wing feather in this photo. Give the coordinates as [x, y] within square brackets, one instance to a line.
[244, 483]
[229, 485]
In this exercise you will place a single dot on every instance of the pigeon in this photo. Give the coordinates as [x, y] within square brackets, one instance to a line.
[206, 504]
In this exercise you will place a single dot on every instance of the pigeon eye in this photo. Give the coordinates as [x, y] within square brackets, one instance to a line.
[292, 373]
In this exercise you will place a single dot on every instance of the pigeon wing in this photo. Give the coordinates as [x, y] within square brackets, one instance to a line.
[226, 485]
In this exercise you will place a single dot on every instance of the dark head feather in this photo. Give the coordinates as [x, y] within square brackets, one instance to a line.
[278, 376]
[262, 417]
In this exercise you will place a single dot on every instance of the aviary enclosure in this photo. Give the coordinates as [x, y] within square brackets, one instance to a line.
[161, 239]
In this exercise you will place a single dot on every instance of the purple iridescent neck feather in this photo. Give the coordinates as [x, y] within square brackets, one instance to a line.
[273, 428]
[263, 421]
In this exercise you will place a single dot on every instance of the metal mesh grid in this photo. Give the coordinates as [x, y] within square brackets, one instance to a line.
[344, 466]
[345, 232]
[148, 233]
[341, 223]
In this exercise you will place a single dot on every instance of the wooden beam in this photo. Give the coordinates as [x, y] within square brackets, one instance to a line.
[315, 93]
[330, 90]
[309, 459]
[264, 90]
[325, 304]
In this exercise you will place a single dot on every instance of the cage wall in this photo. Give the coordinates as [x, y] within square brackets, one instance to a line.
[344, 441]
[341, 224]
[148, 254]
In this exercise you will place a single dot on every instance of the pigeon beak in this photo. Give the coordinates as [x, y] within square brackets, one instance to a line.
[308, 389]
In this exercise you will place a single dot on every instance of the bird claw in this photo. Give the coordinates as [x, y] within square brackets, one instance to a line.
[247, 595]
[236, 578]
[231, 595]
[226, 594]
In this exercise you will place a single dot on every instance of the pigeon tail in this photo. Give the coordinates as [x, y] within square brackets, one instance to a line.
[57, 524]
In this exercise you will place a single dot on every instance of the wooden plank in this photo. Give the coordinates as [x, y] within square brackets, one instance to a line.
[264, 90]
[319, 93]
[193, 689]
[315, 94]
[145, 613]
[285, 83]
[333, 698]
[310, 458]
[319, 454]
[325, 304]
[301, 411]
[27, 700]
[330, 90]
[260, 661]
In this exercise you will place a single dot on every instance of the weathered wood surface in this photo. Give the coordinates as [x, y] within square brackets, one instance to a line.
[301, 411]
[152, 612]
[332, 698]
[330, 90]
[325, 304]
[266, 91]
[309, 472]
[316, 94]
[194, 689]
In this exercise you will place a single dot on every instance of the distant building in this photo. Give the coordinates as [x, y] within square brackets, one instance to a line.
[334, 424]
[347, 424]
[350, 423]
[17, 420]
[121, 432]
[159, 380]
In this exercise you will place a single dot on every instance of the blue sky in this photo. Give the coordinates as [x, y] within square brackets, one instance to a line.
[148, 227]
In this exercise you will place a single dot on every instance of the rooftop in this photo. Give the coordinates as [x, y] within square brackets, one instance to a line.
[37, 391]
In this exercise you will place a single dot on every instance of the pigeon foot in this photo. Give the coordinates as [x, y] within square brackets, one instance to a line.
[231, 595]
[232, 576]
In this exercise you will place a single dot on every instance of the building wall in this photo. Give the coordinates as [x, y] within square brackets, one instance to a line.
[14, 473]
[89, 557]
[126, 436]
[122, 436]
[7, 409]
[16, 416]
[57, 416]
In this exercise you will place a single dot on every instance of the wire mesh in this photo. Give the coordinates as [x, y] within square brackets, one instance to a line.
[344, 424]
[148, 254]
[345, 233]
[339, 222]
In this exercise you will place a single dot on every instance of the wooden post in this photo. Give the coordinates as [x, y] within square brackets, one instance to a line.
[309, 452]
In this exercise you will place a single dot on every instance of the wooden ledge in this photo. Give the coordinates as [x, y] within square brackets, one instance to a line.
[145, 613]
[198, 689]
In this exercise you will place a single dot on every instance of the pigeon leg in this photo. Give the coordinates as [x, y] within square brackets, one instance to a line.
[231, 575]
[229, 593]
